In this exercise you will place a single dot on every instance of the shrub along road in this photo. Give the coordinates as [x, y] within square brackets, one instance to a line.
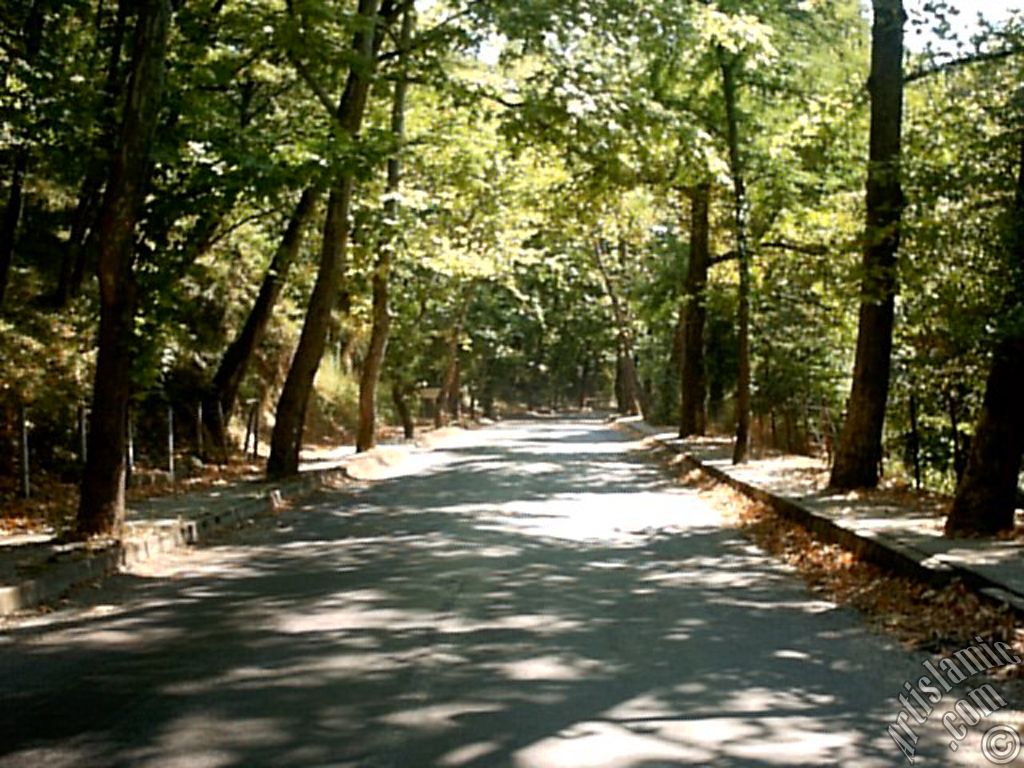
[536, 594]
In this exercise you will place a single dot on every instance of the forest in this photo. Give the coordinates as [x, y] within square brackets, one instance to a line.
[796, 222]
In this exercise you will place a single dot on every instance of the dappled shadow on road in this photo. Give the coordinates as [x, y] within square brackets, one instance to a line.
[548, 600]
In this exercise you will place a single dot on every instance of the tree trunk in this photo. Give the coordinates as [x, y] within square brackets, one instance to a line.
[286, 439]
[366, 436]
[220, 402]
[101, 505]
[959, 454]
[442, 405]
[623, 404]
[11, 217]
[398, 397]
[632, 393]
[859, 452]
[84, 220]
[581, 399]
[455, 392]
[693, 416]
[742, 445]
[986, 497]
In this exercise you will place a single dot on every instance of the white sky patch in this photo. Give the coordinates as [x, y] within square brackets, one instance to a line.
[965, 24]
[491, 49]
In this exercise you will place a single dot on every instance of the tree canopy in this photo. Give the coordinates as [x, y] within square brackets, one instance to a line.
[767, 219]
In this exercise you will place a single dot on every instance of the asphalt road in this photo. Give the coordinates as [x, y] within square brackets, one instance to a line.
[535, 594]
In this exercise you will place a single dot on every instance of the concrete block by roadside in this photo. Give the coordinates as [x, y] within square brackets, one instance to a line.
[148, 538]
[885, 548]
[57, 578]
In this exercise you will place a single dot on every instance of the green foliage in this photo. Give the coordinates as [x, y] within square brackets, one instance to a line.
[589, 129]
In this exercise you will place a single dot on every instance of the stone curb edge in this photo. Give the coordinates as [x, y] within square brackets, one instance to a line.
[886, 551]
[163, 536]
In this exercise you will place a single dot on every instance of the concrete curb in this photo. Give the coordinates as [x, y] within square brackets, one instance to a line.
[152, 538]
[879, 548]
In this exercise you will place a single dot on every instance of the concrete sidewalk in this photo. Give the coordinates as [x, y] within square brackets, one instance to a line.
[36, 569]
[879, 527]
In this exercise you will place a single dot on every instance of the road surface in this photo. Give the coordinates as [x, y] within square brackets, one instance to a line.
[536, 594]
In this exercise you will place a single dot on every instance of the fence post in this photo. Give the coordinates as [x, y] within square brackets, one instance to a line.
[914, 439]
[170, 442]
[26, 483]
[248, 433]
[256, 431]
[129, 445]
[222, 446]
[199, 428]
[83, 434]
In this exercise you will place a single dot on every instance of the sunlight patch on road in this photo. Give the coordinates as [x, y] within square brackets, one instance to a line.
[437, 717]
[550, 667]
[588, 448]
[624, 519]
[186, 741]
[605, 745]
[540, 624]
[539, 468]
[353, 617]
[468, 753]
[770, 740]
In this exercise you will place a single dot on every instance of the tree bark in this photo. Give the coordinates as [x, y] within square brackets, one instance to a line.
[986, 496]
[741, 446]
[693, 416]
[632, 398]
[398, 397]
[859, 453]
[584, 380]
[11, 217]
[623, 403]
[220, 402]
[84, 220]
[366, 436]
[286, 439]
[101, 505]
[449, 383]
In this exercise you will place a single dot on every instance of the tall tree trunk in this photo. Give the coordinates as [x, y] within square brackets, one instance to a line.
[859, 453]
[286, 439]
[84, 220]
[220, 402]
[101, 505]
[693, 416]
[632, 398]
[742, 445]
[623, 403]
[987, 494]
[366, 436]
[455, 391]
[584, 380]
[9, 222]
[450, 380]
[399, 397]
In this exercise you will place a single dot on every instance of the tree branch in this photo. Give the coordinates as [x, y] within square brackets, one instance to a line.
[811, 249]
[935, 69]
[321, 95]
